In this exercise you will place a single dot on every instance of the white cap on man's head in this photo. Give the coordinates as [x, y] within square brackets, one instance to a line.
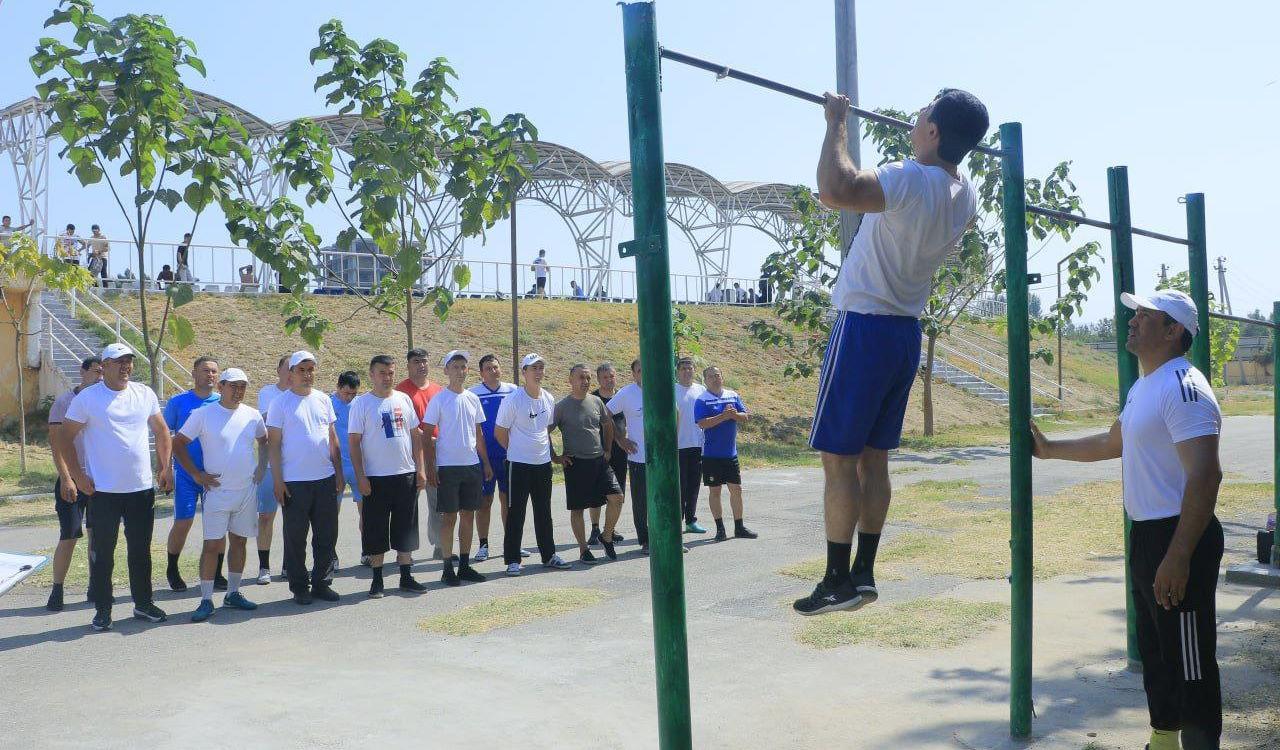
[233, 375]
[466, 356]
[299, 357]
[530, 359]
[116, 351]
[1177, 305]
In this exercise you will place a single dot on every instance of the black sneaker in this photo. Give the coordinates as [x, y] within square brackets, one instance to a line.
[587, 558]
[617, 538]
[470, 574]
[830, 596]
[302, 597]
[324, 592]
[409, 583]
[377, 588]
[644, 549]
[609, 551]
[594, 541]
[449, 577]
[865, 585]
[220, 583]
[55, 599]
[742, 532]
[175, 580]
[150, 613]
[721, 536]
[101, 621]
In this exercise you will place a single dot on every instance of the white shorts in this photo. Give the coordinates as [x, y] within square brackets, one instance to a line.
[230, 510]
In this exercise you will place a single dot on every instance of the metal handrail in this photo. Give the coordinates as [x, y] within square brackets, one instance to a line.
[1005, 360]
[984, 366]
[165, 378]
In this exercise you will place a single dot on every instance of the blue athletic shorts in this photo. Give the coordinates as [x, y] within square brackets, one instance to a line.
[866, 377]
[266, 494]
[186, 492]
[501, 474]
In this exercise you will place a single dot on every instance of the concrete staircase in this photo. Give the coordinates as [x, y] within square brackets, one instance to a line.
[952, 375]
[68, 339]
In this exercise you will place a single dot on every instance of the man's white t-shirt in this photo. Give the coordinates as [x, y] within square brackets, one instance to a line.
[893, 257]
[527, 419]
[629, 402]
[266, 395]
[115, 435]
[540, 267]
[456, 414]
[57, 413]
[304, 423]
[688, 434]
[385, 427]
[227, 438]
[1171, 405]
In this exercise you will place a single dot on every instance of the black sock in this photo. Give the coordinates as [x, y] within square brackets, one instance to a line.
[738, 525]
[218, 573]
[377, 574]
[719, 525]
[595, 528]
[173, 561]
[838, 560]
[404, 570]
[484, 541]
[463, 559]
[865, 560]
[264, 558]
[57, 587]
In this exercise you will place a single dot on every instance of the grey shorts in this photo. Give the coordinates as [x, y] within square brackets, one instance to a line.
[460, 488]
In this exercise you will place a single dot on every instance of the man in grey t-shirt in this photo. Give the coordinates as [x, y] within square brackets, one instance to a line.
[587, 431]
[70, 503]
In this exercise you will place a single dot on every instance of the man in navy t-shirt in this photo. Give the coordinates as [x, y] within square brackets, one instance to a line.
[718, 412]
[187, 491]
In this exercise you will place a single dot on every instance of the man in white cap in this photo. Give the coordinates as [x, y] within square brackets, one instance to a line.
[523, 428]
[114, 415]
[306, 468]
[457, 465]
[1167, 441]
[234, 441]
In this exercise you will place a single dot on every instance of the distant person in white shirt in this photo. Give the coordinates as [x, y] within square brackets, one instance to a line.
[267, 505]
[914, 214]
[1167, 441]
[115, 416]
[539, 268]
[7, 229]
[386, 456]
[233, 441]
[457, 465]
[689, 444]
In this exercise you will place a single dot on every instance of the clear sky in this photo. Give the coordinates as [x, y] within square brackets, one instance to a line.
[1185, 94]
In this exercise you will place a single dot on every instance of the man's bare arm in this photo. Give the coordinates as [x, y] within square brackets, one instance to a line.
[841, 184]
[1099, 447]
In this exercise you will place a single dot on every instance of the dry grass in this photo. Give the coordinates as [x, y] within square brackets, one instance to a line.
[923, 623]
[40, 474]
[510, 611]
[28, 512]
[78, 573]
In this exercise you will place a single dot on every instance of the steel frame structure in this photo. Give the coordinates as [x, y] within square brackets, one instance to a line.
[23, 128]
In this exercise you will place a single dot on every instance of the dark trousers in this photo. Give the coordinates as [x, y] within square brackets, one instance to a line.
[528, 481]
[690, 482]
[1178, 646]
[106, 510]
[639, 503]
[309, 506]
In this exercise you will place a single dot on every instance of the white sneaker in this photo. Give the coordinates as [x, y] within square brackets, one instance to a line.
[482, 554]
[513, 569]
[526, 553]
[264, 576]
[558, 562]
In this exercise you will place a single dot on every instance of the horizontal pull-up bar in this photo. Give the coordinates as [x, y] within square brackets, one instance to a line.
[1074, 218]
[1248, 321]
[724, 71]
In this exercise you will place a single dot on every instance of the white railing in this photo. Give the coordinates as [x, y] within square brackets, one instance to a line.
[1003, 361]
[207, 265]
[999, 371]
[120, 323]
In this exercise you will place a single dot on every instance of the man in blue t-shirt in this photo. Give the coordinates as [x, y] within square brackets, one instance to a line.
[187, 491]
[492, 390]
[346, 392]
[718, 412]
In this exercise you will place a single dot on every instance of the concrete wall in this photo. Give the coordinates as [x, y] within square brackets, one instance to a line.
[9, 364]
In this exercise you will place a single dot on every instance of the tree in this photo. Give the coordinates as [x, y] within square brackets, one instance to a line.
[686, 333]
[804, 276]
[23, 265]
[1034, 307]
[414, 144]
[116, 98]
[1224, 335]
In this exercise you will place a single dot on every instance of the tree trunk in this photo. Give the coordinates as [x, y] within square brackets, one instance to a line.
[22, 408]
[142, 305]
[926, 394]
[408, 317]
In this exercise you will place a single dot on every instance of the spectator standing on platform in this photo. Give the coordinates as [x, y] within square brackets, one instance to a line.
[99, 253]
[7, 229]
[539, 268]
[69, 246]
[183, 255]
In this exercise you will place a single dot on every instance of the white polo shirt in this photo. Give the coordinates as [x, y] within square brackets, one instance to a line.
[304, 423]
[1171, 405]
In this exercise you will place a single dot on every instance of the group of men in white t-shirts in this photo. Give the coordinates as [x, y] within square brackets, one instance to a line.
[454, 447]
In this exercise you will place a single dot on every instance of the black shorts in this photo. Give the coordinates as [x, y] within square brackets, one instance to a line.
[71, 516]
[460, 488]
[390, 515]
[618, 462]
[719, 471]
[587, 482]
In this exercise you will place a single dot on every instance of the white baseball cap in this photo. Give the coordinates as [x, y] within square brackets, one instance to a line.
[1178, 305]
[233, 375]
[116, 351]
[530, 359]
[466, 356]
[299, 357]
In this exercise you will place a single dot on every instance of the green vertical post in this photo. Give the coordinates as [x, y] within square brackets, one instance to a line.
[1014, 202]
[1198, 266]
[657, 358]
[1275, 421]
[1126, 363]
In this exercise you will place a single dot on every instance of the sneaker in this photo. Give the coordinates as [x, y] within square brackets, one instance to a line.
[557, 562]
[101, 621]
[513, 569]
[220, 583]
[264, 576]
[694, 528]
[236, 600]
[377, 588]
[587, 558]
[644, 549]
[324, 592]
[55, 599]
[742, 532]
[594, 540]
[617, 538]
[448, 577]
[830, 596]
[203, 612]
[684, 549]
[150, 613]
[482, 554]
[366, 560]
[470, 574]
[721, 536]
[865, 585]
[302, 597]
[609, 550]
[525, 553]
[409, 583]
[175, 580]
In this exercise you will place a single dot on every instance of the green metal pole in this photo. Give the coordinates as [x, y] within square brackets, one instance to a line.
[1126, 362]
[1198, 266]
[1275, 421]
[657, 358]
[1014, 202]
